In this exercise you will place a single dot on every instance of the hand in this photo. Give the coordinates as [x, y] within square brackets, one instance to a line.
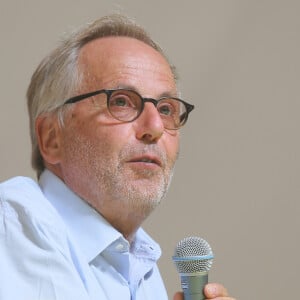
[212, 291]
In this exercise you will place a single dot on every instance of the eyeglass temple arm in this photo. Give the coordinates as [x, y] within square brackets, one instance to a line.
[81, 97]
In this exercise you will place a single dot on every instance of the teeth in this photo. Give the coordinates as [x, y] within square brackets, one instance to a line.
[146, 160]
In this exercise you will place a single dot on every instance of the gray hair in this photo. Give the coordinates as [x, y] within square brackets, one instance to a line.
[58, 77]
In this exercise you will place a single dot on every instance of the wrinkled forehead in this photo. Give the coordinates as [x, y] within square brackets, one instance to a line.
[113, 60]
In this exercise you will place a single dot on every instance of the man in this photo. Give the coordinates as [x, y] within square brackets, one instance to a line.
[104, 119]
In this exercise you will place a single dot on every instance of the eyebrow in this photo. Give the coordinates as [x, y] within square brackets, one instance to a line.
[133, 88]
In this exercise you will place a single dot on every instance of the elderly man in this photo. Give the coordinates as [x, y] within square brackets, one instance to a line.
[104, 116]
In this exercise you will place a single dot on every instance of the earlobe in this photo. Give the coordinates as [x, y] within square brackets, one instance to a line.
[48, 134]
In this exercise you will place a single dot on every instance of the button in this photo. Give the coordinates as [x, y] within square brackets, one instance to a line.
[120, 247]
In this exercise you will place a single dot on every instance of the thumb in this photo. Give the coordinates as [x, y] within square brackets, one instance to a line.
[178, 296]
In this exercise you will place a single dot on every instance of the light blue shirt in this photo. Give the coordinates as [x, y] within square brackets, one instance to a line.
[54, 246]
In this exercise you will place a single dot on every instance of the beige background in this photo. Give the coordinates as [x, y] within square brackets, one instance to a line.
[237, 181]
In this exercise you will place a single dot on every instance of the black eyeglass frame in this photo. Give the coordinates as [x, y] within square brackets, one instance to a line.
[188, 107]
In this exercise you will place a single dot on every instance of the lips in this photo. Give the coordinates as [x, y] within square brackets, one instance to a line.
[147, 159]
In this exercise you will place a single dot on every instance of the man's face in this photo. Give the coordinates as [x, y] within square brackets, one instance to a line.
[121, 169]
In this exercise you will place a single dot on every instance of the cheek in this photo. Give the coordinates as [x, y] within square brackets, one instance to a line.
[87, 122]
[112, 138]
[172, 145]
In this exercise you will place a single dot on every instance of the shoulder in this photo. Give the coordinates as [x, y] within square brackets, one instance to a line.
[23, 194]
[19, 186]
[34, 246]
[24, 207]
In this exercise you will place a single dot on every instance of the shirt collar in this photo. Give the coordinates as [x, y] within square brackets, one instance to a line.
[89, 230]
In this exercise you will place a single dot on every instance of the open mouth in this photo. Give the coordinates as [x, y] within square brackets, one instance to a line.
[147, 160]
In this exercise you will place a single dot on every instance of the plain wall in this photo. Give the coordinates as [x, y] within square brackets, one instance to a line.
[237, 180]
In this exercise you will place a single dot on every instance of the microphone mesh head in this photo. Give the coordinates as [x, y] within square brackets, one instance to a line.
[192, 255]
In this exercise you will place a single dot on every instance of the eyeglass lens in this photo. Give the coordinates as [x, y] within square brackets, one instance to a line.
[126, 105]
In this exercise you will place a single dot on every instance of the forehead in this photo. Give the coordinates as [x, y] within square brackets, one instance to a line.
[111, 62]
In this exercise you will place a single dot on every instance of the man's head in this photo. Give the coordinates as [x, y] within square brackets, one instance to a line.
[121, 168]
[58, 76]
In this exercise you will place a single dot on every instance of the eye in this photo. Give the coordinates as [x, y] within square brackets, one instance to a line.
[120, 101]
[166, 108]
[124, 105]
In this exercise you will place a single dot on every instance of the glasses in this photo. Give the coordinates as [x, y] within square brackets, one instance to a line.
[127, 105]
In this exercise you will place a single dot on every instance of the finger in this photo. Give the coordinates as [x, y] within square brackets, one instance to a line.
[178, 296]
[214, 290]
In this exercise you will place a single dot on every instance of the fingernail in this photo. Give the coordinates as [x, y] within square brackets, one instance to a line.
[211, 290]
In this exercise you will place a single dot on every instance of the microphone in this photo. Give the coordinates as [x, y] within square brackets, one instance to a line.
[193, 258]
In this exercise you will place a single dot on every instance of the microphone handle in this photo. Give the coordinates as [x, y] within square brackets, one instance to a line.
[193, 285]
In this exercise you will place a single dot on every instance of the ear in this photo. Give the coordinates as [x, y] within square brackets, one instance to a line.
[48, 132]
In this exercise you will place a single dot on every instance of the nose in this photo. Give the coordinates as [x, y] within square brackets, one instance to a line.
[149, 125]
